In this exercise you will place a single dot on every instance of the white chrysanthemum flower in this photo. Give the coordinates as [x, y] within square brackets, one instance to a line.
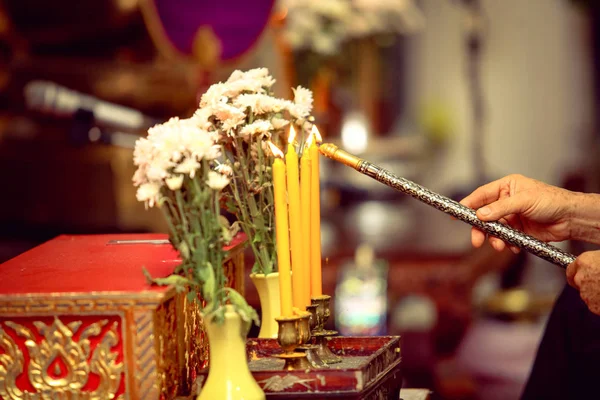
[325, 43]
[202, 117]
[235, 76]
[279, 123]
[148, 193]
[334, 9]
[156, 172]
[244, 85]
[174, 182]
[303, 99]
[258, 126]
[142, 154]
[259, 75]
[139, 176]
[217, 181]
[260, 103]
[228, 113]
[214, 94]
[295, 39]
[189, 166]
[224, 169]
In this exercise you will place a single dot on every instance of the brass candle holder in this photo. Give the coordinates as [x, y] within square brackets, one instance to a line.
[322, 313]
[292, 333]
[308, 323]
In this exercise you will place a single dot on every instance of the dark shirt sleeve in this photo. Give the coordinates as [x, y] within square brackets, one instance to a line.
[567, 365]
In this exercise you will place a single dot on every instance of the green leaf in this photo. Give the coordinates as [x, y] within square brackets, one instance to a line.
[218, 315]
[257, 268]
[184, 250]
[192, 296]
[149, 279]
[257, 238]
[208, 287]
[180, 282]
[246, 312]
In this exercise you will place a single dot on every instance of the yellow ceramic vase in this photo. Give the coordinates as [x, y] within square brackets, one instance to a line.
[267, 287]
[229, 377]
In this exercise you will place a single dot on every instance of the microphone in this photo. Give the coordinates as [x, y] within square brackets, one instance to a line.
[51, 98]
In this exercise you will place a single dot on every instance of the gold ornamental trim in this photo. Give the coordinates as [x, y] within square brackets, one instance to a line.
[75, 303]
[58, 364]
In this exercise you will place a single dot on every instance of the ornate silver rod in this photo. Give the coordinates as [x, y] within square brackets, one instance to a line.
[516, 238]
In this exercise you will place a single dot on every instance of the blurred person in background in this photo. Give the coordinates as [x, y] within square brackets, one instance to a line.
[566, 365]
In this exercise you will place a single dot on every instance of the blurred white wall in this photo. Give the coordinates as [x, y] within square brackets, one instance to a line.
[537, 83]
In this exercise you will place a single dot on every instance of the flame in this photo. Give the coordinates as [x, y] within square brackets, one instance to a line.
[314, 131]
[309, 140]
[275, 150]
[292, 135]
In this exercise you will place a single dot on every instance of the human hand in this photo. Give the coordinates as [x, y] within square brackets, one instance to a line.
[525, 204]
[584, 275]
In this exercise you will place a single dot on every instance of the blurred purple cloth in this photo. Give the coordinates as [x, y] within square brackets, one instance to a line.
[237, 23]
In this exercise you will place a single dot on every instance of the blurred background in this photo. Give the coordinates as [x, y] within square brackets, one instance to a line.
[448, 93]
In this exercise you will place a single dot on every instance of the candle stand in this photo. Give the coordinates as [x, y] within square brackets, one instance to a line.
[322, 335]
[324, 366]
[312, 350]
[292, 333]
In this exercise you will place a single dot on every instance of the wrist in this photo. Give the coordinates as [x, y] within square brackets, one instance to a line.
[584, 217]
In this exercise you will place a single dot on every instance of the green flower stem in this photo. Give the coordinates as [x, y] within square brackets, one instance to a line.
[251, 219]
[246, 226]
[181, 208]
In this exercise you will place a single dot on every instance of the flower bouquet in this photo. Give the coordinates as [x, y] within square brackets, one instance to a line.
[178, 171]
[194, 168]
[244, 115]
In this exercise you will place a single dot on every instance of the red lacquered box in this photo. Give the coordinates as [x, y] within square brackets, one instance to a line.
[78, 320]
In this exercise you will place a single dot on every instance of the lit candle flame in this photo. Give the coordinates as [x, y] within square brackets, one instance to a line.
[314, 131]
[309, 140]
[275, 150]
[292, 135]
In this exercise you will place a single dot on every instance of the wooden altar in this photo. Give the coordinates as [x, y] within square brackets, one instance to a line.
[78, 319]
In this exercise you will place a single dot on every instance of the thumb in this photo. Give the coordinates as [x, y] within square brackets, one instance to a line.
[571, 271]
[503, 207]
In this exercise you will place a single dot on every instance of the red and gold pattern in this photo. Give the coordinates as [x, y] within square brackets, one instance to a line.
[60, 359]
[65, 335]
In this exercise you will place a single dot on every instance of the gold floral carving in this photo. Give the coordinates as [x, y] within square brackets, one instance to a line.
[58, 364]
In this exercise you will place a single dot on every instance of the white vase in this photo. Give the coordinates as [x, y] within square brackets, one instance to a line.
[229, 376]
[267, 287]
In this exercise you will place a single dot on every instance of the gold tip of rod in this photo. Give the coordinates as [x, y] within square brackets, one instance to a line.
[332, 151]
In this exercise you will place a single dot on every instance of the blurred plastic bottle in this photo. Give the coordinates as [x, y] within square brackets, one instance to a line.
[361, 295]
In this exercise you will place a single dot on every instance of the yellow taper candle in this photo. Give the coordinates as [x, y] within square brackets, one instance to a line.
[316, 277]
[282, 232]
[305, 187]
[293, 189]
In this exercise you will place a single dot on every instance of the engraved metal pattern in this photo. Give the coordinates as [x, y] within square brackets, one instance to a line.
[529, 243]
[58, 364]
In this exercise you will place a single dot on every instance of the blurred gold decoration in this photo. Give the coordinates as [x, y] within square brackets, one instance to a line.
[157, 31]
[519, 304]
[206, 48]
[127, 6]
